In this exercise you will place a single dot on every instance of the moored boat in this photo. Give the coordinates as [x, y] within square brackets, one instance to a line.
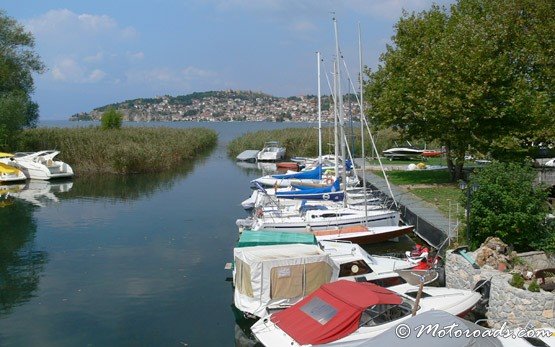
[8, 172]
[345, 313]
[42, 165]
[272, 151]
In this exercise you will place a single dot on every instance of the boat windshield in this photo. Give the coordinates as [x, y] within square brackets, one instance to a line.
[383, 314]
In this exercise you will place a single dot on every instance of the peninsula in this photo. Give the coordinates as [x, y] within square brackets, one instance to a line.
[214, 106]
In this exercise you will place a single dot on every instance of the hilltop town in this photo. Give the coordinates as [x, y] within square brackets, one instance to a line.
[227, 105]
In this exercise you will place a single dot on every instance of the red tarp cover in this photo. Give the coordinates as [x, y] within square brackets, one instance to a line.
[338, 306]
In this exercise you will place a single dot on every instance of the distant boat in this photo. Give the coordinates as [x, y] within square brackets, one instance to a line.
[248, 156]
[41, 165]
[8, 172]
[272, 151]
[402, 153]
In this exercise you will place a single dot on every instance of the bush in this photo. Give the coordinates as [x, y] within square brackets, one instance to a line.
[534, 286]
[111, 119]
[517, 281]
[505, 202]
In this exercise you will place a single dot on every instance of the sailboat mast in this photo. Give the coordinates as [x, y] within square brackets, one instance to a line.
[340, 115]
[362, 150]
[319, 113]
[335, 120]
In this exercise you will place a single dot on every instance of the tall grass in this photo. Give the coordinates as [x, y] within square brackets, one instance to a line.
[304, 141]
[121, 151]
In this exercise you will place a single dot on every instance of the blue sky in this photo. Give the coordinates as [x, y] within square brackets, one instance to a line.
[99, 52]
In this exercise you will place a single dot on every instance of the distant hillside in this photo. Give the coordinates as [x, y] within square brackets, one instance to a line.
[227, 105]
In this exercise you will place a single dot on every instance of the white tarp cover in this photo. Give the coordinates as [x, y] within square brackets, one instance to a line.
[279, 275]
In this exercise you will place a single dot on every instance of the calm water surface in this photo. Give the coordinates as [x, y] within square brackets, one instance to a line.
[125, 261]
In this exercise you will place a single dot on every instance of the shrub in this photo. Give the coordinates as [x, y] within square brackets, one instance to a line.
[517, 281]
[534, 286]
[111, 119]
[505, 202]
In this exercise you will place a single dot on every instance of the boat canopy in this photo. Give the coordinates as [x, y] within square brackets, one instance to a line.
[279, 275]
[332, 192]
[314, 174]
[332, 312]
[251, 238]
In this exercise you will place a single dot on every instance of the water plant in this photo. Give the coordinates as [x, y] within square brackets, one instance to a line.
[121, 151]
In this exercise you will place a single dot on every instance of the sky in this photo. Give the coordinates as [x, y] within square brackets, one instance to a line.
[100, 52]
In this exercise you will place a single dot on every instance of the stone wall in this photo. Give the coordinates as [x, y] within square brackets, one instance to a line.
[508, 304]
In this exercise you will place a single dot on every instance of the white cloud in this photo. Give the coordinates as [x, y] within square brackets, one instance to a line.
[69, 70]
[66, 24]
[96, 75]
[165, 80]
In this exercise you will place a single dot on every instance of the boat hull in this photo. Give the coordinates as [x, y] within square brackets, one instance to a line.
[363, 235]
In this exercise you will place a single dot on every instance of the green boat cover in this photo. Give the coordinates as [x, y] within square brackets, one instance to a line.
[268, 237]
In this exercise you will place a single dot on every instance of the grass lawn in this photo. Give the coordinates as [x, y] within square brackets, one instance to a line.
[432, 186]
[417, 177]
[442, 197]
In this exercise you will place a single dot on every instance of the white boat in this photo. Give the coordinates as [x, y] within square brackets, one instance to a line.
[313, 217]
[272, 151]
[402, 153]
[345, 313]
[273, 277]
[42, 165]
[8, 172]
[267, 198]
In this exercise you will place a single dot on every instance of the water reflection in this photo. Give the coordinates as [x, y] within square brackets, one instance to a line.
[21, 264]
[128, 187]
[243, 334]
[40, 193]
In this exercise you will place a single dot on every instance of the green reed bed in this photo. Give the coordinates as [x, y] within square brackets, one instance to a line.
[297, 141]
[121, 151]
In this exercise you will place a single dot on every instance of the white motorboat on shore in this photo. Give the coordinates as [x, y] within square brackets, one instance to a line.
[272, 151]
[41, 165]
[345, 313]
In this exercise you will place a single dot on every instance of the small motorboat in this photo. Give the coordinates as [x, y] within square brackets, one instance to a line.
[271, 276]
[9, 173]
[402, 153]
[41, 165]
[272, 151]
[345, 313]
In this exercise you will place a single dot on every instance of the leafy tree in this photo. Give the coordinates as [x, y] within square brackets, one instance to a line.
[111, 119]
[506, 203]
[478, 76]
[18, 62]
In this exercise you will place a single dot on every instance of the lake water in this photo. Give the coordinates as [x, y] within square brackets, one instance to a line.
[126, 261]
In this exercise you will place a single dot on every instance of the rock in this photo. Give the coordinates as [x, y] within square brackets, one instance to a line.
[493, 252]
[547, 314]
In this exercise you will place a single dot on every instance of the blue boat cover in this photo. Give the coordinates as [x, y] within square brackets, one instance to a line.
[332, 192]
[314, 174]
